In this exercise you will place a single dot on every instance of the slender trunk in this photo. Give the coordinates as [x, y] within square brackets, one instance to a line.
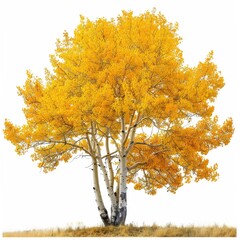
[122, 211]
[110, 191]
[114, 207]
[109, 159]
[96, 187]
[98, 197]
[119, 198]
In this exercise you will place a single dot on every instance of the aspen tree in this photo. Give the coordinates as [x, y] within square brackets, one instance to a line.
[119, 92]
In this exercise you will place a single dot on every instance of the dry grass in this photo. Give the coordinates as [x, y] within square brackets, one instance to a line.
[131, 231]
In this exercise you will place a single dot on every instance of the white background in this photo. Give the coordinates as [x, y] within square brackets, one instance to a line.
[31, 199]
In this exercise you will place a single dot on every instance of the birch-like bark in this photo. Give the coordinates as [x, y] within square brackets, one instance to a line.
[122, 212]
[96, 187]
[98, 197]
[133, 132]
[109, 159]
[114, 207]
[110, 191]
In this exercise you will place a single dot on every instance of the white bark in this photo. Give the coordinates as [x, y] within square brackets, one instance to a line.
[122, 212]
[106, 180]
[119, 199]
[109, 158]
[98, 197]
[97, 191]
[114, 201]
[109, 191]
[133, 132]
[122, 193]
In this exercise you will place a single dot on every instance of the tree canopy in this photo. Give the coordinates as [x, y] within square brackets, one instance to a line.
[120, 88]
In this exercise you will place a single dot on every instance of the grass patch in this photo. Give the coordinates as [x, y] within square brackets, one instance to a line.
[131, 231]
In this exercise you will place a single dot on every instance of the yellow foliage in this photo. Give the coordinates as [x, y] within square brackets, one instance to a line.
[138, 186]
[127, 68]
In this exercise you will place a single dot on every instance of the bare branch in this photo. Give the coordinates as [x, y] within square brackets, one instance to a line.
[132, 135]
[115, 143]
[150, 145]
[110, 154]
[130, 127]
[136, 165]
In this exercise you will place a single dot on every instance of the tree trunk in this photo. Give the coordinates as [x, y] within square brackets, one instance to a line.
[119, 200]
[119, 207]
[106, 180]
[122, 209]
[98, 197]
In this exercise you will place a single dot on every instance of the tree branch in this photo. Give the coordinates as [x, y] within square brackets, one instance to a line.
[109, 154]
[111, 174]
[130, 127]
[132, 135]
[136, 165]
